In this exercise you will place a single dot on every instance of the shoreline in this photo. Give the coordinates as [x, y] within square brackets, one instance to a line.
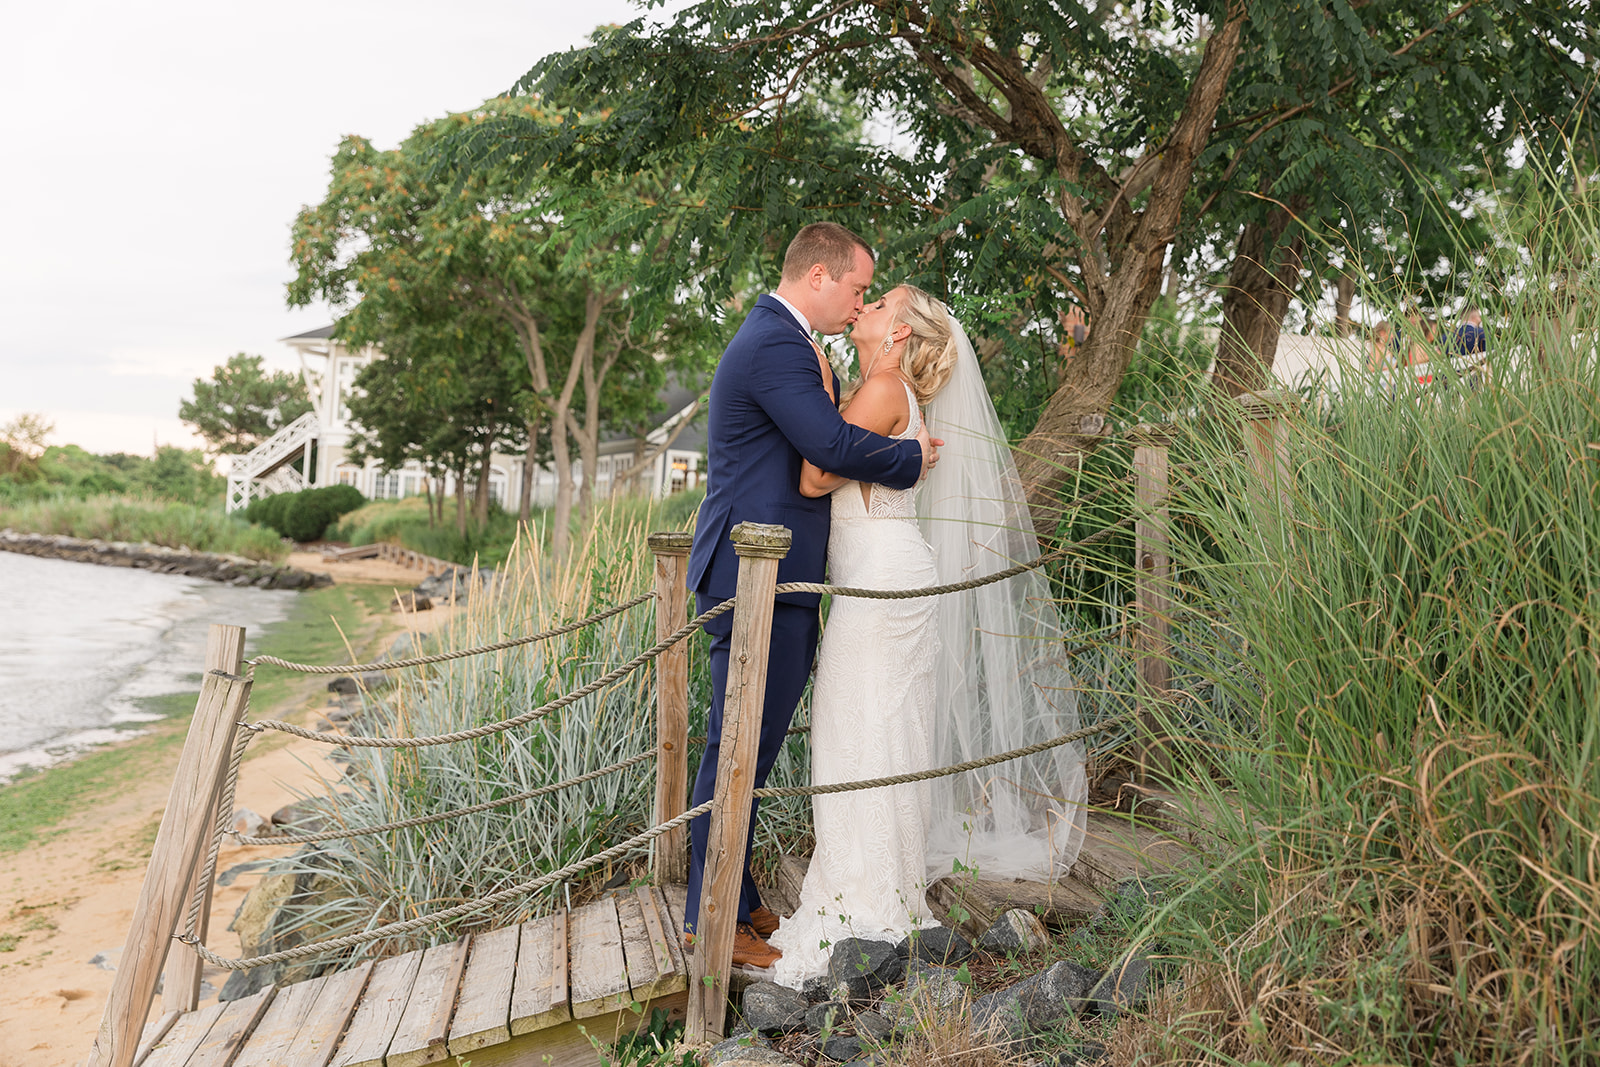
[69, 885]
[212, 566]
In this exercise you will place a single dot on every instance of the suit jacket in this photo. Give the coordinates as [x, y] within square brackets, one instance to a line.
[768, 410]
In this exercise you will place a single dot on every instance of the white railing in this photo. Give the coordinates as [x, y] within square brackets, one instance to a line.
[265, 469]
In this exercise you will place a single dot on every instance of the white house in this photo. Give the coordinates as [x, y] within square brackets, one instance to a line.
[314, 449]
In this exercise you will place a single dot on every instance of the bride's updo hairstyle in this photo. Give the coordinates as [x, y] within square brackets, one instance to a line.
[930, 352]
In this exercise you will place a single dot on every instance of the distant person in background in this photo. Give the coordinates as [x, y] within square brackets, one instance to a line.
[1470, 337]
[1378, 348]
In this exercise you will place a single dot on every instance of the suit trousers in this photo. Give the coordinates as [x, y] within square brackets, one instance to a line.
[793, 647]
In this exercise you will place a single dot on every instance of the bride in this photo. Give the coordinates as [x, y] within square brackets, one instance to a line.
[906, 685]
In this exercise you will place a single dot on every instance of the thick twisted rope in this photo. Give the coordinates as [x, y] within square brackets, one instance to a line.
[443, 816]
[505, 724]
[406, 926]
[418, 661]
[941, 772]
[953, 587]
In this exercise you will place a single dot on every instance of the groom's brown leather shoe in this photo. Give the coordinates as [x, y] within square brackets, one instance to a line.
[750, 949]
[764, 921]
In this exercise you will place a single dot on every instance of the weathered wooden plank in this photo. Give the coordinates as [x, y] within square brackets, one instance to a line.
[269, 1043]
[599, 973]
[656, 927]
[314, 1043]
[539, 995]
[677, 896]
[236, 1023]
[376, 1018]
[569, 1044]
[424, 1030]
[185, 1035]
[1115, 848]
[788, 879]
[982, 902]
[637, 952]
[672, 705]
[154, 1031]
[483, 1017]
[673, 928]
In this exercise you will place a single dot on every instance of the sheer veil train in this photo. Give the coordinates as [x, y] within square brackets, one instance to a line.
[1002, 679]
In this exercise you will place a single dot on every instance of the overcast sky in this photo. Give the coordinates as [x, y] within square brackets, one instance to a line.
[157, 153]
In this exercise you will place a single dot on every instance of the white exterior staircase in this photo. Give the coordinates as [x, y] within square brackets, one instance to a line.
[268, 468]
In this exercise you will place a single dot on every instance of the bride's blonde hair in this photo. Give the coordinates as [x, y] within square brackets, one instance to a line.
[928, 356]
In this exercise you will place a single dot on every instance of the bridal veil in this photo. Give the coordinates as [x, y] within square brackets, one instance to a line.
[1002, 680]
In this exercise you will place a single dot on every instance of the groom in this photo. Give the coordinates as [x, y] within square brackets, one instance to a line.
[773, 402]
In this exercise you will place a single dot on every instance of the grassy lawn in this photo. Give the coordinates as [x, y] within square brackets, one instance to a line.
[32, 806]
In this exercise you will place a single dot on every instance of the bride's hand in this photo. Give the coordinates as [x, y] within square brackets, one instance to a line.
[930, 451]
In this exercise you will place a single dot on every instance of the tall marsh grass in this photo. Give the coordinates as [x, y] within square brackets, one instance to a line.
[113, 517]
[1406, 865]
[367, 881]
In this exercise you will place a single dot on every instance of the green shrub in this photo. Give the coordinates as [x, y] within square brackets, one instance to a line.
[306, 515]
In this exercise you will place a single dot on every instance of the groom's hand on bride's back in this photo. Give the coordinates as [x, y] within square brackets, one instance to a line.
[930, 451]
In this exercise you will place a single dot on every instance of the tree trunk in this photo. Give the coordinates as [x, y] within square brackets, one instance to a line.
[480, 499]
[1263, 278]
[427, 488]
[461, 501]
[1122, 272]
[1344, 296]
[529, 469]
[1074, 421]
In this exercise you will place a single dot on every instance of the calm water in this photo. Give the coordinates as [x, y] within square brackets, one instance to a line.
[81, 643]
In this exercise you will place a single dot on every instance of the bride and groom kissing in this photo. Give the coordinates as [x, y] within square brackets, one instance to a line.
[902, 479]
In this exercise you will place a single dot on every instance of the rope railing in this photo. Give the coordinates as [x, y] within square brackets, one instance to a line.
[406, 926]
[444, 816]
[942, 772]
[440, 657]
[356, 741]
[579, 866]
[954, 587]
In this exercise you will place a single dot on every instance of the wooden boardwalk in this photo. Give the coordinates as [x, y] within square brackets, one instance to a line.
[518, 994]
[532, 994]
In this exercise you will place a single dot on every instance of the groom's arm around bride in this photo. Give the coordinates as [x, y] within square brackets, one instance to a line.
[773, 403]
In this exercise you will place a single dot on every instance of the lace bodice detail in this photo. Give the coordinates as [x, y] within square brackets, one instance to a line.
[885, 503]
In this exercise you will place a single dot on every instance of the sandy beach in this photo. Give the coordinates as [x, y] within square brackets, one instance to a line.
[66, 902]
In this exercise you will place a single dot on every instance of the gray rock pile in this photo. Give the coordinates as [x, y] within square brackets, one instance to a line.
[212, 566]
[875, 992]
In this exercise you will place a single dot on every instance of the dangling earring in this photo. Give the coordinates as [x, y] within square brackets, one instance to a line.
[888, 343]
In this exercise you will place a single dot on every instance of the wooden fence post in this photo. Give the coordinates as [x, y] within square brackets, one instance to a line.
[1152, 591]
[181, 987]
[185, 834]
[672, 705]
[760, 548]
[1266, 439]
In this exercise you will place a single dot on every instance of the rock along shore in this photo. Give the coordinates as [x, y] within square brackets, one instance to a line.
[212, 566]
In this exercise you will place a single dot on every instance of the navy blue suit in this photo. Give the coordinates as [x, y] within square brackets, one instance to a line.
[769, 410]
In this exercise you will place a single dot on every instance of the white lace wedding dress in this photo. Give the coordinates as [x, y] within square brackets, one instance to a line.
[871, 716]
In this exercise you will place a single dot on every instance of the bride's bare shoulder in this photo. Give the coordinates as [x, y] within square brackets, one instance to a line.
[880, 404]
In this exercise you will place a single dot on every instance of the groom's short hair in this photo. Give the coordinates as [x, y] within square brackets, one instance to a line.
[827, 243]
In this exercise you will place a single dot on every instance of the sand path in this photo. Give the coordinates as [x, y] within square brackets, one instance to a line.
[69, 900]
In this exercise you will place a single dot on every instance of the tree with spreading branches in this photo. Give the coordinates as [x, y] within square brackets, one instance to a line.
[405, 247]
[1047, 152]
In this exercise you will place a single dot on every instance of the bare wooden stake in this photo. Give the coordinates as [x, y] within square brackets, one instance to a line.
[760, 548]
[1152, 592]
[181, 841]
[672, 705]
[181, 986]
